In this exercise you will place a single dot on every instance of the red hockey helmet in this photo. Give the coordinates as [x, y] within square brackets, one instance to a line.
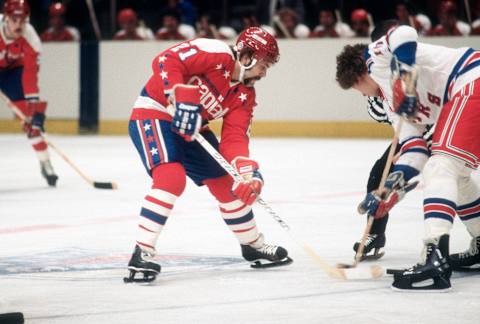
[16, 8]
[262, 44]
[56, 9]
[126, 15]
[359, 15]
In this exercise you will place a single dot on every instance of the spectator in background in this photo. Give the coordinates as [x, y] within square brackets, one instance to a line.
[187, 13]
[250, 20]
[207, 27]
[171, 28]
[330, 27]
[57, 30]
[287, 25]
[362, 23]
[406, 16]
[267, 9]
[476, 15]
[449, 25]
[130, 29]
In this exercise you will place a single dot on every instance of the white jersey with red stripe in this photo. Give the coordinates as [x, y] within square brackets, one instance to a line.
[23, 51]
[442, 72]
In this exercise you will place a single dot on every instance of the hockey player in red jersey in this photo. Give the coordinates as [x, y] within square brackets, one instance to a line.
[426, 84]
[20, 48]
[197, 81]
[57, 30]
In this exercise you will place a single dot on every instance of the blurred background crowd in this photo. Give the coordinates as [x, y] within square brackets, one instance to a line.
[72, 20]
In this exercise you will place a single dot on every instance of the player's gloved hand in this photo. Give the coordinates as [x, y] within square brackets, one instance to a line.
[186, 119]
[249, 189]
[404, 82]
[34, 126]
[379, 204]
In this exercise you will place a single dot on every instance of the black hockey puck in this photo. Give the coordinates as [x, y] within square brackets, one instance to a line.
[12, 318]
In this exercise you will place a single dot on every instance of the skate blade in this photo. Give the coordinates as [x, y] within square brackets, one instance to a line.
[435, 286]
[148, 276]
[257, 264]
[428, 289]
[369, 257]
[375, 256]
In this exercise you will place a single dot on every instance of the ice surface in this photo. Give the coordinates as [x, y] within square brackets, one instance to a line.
[63, 251]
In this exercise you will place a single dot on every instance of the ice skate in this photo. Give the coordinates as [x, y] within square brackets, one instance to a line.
[142, 262]
[468, 260]
[48, 173]
[373, 249]
[432, 275]
[263, 255]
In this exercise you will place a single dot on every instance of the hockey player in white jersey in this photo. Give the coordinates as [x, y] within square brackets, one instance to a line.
[426, 84]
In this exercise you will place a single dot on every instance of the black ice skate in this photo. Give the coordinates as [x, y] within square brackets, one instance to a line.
[263, 255]
[436, 268]
[48, 173]
[468, 260]
[141, 262]
[373, 249]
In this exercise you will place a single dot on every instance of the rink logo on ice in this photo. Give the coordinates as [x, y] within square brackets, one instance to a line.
[76, 259]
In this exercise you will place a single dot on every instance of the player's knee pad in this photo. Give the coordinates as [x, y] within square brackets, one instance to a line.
[221, 188]
[441, 175]
[170, 177]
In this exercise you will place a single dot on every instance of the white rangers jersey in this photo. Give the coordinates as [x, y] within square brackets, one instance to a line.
[442, 72]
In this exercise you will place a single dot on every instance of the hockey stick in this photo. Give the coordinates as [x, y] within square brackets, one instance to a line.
[22, 117]
[386, 169]
[372, 272]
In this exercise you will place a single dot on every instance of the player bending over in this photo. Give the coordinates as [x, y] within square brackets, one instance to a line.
[376, 239]
[20, 46]
[198, 81]
[430, 84]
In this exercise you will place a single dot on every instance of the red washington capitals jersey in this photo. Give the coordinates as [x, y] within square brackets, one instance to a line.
[23, 51]
[208, 63]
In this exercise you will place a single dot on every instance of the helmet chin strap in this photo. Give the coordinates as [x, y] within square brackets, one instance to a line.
[244, 68]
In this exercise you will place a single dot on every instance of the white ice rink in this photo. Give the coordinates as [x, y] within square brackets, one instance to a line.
[63, 251]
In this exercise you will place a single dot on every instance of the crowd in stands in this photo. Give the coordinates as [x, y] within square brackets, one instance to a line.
[301, 19]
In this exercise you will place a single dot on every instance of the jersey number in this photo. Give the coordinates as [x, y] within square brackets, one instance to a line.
[184, 55]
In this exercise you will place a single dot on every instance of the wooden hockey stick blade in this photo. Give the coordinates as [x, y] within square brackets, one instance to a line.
[105, 185]
[361, 273]
[346, 265]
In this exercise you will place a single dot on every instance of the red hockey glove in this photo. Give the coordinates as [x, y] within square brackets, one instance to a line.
[249, 189]
[34, 126]
[379, 204]
[186, 119]
[404, 82]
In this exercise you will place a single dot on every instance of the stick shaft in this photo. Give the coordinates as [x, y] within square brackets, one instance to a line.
[332, 271]
[22, 116]
[386, 170]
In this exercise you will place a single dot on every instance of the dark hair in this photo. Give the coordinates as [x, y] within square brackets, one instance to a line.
[382, 28]
[351, 65]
